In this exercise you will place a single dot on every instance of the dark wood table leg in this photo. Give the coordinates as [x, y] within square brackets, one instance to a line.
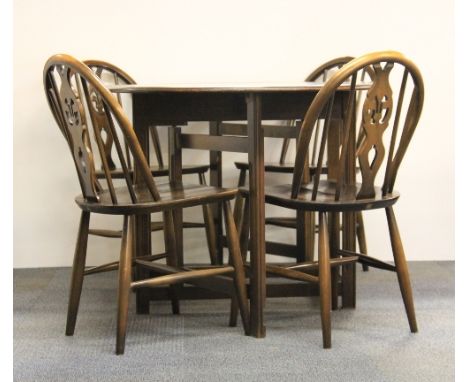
[175, 176]
[216, 179]
[333, 147]
[305, 231]
[334, 233]
[143, 247]
[257, 215]
[348, 272]
[348, 234]
[142, 222]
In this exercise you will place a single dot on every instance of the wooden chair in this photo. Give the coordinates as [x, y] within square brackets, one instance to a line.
[384, 106]
[320, 74]
[111, 74]
[80, 104]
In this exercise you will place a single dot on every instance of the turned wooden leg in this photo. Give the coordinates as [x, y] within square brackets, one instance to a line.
[244, 246]
[402, 269]
[324, 280]
[238, 202]
[76, 283]
[361, 237]
[125, 278]
[236, 259]
[171, 259]
[210, 228]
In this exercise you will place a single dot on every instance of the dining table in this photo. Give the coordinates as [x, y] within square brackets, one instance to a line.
[175, 105]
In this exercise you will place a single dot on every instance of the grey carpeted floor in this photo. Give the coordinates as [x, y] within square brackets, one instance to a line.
[370, 343]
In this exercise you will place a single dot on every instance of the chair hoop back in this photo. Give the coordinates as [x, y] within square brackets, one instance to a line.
[79, 100]
[321, 73]
[376, 114]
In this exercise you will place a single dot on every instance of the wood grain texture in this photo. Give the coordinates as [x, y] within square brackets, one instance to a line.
[256, 214]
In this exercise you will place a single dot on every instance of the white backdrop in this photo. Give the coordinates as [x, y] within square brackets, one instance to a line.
[213, 41]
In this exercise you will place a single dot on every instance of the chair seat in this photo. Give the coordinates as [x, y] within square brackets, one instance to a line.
[158, 171]
[171, 196]
[280, 195]
[286, 168]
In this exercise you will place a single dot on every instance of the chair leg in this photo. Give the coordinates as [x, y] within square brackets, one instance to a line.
[361, 237]
[239, 215]
[76, 283]
[169, 242]
[236, 259]
[125, 278]
[239, 199]
[402, 269]
[324, 280]
[244, 243]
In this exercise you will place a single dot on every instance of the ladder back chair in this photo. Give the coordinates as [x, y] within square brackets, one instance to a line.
[389, 115]
[80, 103]
[111, 74]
